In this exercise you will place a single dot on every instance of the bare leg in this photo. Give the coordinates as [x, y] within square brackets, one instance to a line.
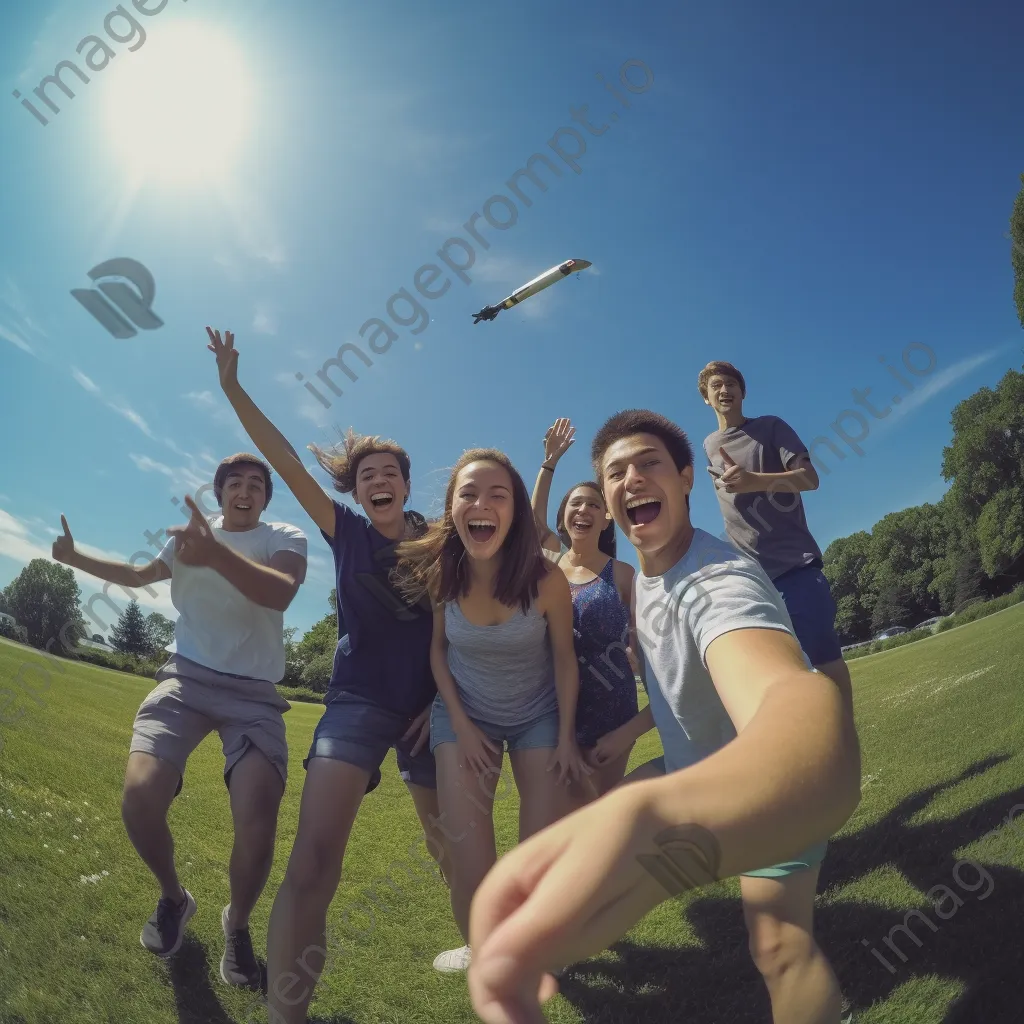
[149, 786]
[467, 806]
[780, 915]
[256, 788]
[542, 798]
[297, 941]
[428, 810]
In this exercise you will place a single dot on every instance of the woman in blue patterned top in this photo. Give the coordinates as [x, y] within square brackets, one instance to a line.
[608, 721]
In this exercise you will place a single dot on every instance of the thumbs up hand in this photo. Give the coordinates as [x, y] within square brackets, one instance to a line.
[734, 479]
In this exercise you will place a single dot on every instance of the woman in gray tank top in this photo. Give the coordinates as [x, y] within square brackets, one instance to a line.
[505, 667]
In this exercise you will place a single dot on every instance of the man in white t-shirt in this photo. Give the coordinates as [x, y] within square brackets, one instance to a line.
[231, 580]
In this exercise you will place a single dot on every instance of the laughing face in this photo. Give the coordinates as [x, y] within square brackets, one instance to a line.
[482, 508]
[381, 491]
[243, 497]
[585, 515]
[724, 394]
[646, 495]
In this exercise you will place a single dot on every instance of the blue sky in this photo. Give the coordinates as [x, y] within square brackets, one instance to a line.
[803, 189]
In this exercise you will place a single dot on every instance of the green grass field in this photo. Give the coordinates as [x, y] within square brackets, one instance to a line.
[942, 730]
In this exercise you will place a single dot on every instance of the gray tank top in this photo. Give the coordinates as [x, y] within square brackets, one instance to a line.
[505, 673]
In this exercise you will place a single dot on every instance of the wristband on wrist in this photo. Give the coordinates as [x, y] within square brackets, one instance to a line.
[550, 469]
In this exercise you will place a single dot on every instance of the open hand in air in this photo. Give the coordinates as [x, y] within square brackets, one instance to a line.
[227, 357]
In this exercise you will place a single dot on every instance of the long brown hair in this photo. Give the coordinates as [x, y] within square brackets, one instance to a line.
[436, 563]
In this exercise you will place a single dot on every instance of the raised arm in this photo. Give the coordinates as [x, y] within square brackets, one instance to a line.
[121, 573]
[557, 441]
[272, 444]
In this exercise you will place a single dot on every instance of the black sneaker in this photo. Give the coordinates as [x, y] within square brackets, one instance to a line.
[164, 931]
[238, 965]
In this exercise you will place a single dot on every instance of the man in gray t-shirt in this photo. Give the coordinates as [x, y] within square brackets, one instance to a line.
[761, 757]
[760, 467]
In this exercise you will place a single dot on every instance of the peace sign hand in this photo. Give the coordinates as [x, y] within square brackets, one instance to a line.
[64, 545]
[558, 439]
[227, 357]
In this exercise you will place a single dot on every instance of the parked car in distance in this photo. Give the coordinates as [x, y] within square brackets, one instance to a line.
[891, 631]
[930, 623]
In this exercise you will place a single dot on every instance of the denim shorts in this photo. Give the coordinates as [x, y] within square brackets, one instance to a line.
[357, 731]
[540, 732]
[813, 611]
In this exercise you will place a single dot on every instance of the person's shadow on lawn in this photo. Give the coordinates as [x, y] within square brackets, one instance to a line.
[195, 1000]
[975, 944]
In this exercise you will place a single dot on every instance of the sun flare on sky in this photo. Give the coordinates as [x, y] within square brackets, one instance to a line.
[178, 112]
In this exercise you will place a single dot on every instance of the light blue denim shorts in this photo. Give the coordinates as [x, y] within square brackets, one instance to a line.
[539, 733]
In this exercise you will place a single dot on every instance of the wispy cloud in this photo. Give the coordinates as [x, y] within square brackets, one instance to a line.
[15, 339]
[263, 322]
[86, 382]
[19, 325]
[942, 381]
[148, 465]
[184, 478]
[202, 399]
[132, 417]
[120, 407]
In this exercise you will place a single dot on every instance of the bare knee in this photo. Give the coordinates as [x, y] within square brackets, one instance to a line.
[314, 869]
[779, 948]
[146, 797]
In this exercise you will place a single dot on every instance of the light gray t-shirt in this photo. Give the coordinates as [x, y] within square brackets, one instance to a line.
[770, 527]
[711, 590]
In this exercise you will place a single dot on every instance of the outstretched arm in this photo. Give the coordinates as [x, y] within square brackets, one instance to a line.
[790, 778]
[272, 444]
[121, 573]
[557, 441]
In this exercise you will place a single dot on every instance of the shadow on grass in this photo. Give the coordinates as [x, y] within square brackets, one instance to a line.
[977, 945]
[189, 974]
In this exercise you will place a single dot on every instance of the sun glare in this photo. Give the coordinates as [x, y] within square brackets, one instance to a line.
[178, 112]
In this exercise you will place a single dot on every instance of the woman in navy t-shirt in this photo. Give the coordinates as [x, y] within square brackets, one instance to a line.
[381, 688]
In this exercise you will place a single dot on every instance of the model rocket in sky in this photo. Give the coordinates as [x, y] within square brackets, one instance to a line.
[538, 284]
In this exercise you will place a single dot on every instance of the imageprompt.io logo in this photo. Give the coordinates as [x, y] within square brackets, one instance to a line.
[132, 305]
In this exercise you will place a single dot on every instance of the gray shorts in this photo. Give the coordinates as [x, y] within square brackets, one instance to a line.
[191, 701]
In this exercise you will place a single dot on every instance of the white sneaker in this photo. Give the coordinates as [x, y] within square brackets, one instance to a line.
[453, 960]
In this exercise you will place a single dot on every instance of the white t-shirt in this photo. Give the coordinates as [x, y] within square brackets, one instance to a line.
[218, 626]
[711, 590]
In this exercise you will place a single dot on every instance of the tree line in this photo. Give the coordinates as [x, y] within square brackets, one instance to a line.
[934, 559]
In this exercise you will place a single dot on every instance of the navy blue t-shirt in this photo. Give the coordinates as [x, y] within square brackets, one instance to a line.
[385, 657]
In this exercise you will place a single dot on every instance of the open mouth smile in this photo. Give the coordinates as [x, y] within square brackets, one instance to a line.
[481, 530]
[641, 511]
[381, 500]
